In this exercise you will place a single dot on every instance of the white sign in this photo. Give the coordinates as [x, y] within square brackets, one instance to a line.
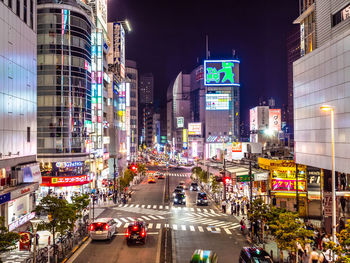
[180, 122]
[261, 176]
[24, 191]
[21, 221]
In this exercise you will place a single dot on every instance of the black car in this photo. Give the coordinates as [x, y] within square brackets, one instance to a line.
[180, 199]
[202, 199]
[177, 191]
[254, 255]
[136, 232]
[194, 187]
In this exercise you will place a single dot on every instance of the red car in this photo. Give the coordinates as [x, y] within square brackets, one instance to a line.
[136, 233]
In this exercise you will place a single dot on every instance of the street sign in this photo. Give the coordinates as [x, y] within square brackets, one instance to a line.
[327, 203]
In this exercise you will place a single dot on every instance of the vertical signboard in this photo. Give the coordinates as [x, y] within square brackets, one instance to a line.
[253, 119]
[119, 47]
[263, 117]
[275, 119]
[184, 138]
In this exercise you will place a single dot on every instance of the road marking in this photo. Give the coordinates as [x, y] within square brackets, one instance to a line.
[119, 224]
[149, 206]
[192, 228]
[120, 205]
[154, 207]
[160, 207]
[145, 217]
[158, 226]
[143, 206]
[131, 219]
[205, 210]
[137, 205]
[183, 227]
[126, 225]
[217, 229]
[200, 229]
[175, 227]
[153, 217]
[126, 205]
[161, 217]
[198, 209]
[185, 208]
[166, 207]
[123, 219]
[233, 227]
[209, 229]
[211, 210]
[227, 231]
[140, 219]
[117, 220]
[150, 225]
[166, 225]
[192, 209]
[131, 205]
[149, 233]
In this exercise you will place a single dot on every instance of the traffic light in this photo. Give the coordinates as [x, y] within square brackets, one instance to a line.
[227, 180]
[134, 168]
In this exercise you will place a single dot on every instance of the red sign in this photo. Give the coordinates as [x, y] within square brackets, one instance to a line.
[24, 241]
[287, 185]
[65, 180]
[236, 147]
[25, 190]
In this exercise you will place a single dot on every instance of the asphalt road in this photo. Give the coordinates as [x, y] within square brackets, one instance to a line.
[193, 227]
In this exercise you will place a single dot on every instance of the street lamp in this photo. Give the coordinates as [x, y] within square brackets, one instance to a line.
[334, 221]
[35, 223]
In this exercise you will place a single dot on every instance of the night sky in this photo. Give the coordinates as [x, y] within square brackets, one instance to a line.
[169, 36]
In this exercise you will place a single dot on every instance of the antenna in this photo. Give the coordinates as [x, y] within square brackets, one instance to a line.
[234, 53]
[207, 54]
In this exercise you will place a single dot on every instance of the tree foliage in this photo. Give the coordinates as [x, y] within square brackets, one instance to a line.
[141, 168]
[7, 239]
[80, 202]
[215, 186]
[258, 211]
[342, 250]
[203, 176]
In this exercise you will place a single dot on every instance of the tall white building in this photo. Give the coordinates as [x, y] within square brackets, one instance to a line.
[322, 77]
[19, 172]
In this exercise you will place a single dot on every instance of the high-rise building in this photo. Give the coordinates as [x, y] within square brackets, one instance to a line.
[64, 90]
[293, 53]
[321, 77]
[19, 172]
[146, 88]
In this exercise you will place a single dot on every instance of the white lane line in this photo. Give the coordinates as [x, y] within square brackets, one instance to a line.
[123, 219]
[149, 206]
[131, 218]
[126, 225]
[154, 207]
[149, 233]
[217, 229]
[119, 224]
[211, 210]
[158, 226]
[137, 205]
[166, 207]
[145, 217]
[209, 229]
[192, 228]
[131, 205]
[227, 231]
[183, 227]
[153, 217]
[205, 210]
[200, 229]
[233, 227]
[150, 225]
[161, 217]
[175, 227]
[160, 207]
[192, 209]
[143, 206]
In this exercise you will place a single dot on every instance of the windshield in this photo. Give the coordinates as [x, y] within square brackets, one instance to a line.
[202, 196]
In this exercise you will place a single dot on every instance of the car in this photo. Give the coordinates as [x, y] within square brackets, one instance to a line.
[136, 232]
[254, 254]
[194, 187]
[181, 187]
[161, 176]
[151, 179]
[177, 191]
[102, 229]
[180, 199]
[156, 174]
[202, 199]
[204, 256]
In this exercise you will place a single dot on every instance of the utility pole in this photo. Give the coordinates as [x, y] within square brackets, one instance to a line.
[114, 180]
[297, 187]
[224, 178]
[250, 183]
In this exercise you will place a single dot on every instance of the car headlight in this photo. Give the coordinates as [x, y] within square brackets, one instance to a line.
[191, 188]
[184, 198]
[174, 194]
[175, 199]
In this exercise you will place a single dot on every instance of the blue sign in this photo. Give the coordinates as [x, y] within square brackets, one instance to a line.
[69, 164]
[5, 198]
[221, 72]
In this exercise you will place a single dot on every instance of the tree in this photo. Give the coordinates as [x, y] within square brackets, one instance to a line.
[215, 185]
[203, 176]
[258, 212]
[196, 170]
[342, 250]
[288, 230]
[7, 239]
[141, 168]
[80, 202]
[61, 214]
[273, 215]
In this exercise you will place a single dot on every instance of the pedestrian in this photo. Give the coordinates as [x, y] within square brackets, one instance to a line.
[237, 208]
[325, 256]
[233, 207]
[242, 223]
[325, 240]
[104, 198]
[242, 207]
[314, 256]
[224, 206]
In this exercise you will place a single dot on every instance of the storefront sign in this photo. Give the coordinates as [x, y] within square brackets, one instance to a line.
[243, 178]
[261, 176]
[24, 241]
[287, 185]
[69, 164]
[5, 198]
[327, 203]
[23, 191]
[236, 147]
[24, 219]
[65, 181]
[287, 173]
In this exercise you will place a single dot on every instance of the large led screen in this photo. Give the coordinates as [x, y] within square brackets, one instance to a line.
[221, 72]
[217, 101]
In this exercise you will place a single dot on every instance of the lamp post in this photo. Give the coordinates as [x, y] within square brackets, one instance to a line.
[334, 221]
[35, 223]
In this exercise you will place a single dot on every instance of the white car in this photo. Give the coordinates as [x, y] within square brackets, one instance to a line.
[102, 229]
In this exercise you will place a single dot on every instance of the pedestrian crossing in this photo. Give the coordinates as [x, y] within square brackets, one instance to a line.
[179, 174]
[210, 222]
[183, 228]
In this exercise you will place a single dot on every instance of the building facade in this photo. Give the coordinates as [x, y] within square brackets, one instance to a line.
[321, 77]
[19, 173]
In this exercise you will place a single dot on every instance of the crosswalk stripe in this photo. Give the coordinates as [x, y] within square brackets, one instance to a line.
[126, 225]
[131, 205]
[192, 228]
[205, 210]
[183, 227]
[119, 224]
[217, 229]
[145, 217]
[150, 225]
[120, 205]
[209, 229]
[154, 207]
[158, 226]
[140, 219]
[227, 231]
[126, 205]
[137, 205]
[200, 229]
[153, 217]
[149, 206]
[198, 209]
[143, 206]
[161, 217]
[117, 220]
[123, 219]
[192, 209]
[131, 219]
[211, 210]
[160, 207]
[166, 207]
[233, 227]
[175, 227]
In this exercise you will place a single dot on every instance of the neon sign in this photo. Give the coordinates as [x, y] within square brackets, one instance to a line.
[69, 164]
[221, 73]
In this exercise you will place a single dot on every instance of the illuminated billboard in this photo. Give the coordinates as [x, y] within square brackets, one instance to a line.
[195, 128]
[275, 119]
[217, 101]
[180, 122]
[221, 72]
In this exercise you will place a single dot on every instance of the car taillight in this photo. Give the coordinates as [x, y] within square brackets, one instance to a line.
[143, 233]
[205, 198]
[91, 227]
[127, 233]
[106, 227]
[135, 228]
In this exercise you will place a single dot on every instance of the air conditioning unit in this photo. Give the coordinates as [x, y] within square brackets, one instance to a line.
[13, 182]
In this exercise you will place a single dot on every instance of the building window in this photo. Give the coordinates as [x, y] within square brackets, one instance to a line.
[31, 14]
[341, 15]
[28, 134]
[25, 11]
[10, 3]
[18, 8]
